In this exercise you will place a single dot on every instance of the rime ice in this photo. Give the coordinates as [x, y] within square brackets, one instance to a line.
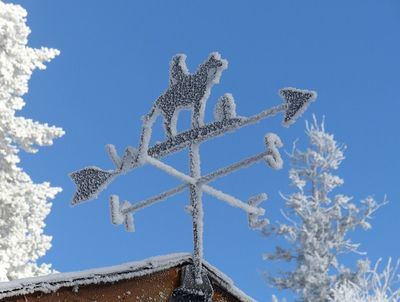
[187, 91]
[90, 180]
[225, 109]
[191, 91]
[318, 222]
[23, 204]
[297, 101]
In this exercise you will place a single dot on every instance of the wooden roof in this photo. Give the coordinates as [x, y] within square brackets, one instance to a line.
[152, 279]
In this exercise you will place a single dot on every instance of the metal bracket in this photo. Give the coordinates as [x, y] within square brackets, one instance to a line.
[190, 290]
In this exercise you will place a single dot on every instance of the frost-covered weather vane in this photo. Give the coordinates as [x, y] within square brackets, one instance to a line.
[191, 91]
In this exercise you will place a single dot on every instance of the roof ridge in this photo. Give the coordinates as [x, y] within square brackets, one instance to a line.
[53, 282]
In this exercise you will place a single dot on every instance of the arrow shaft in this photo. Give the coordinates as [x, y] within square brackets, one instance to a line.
[198, 135]
[182, 140]
[263, 114]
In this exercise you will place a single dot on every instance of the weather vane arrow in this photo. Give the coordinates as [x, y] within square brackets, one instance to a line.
[191, 91]
[91, 181]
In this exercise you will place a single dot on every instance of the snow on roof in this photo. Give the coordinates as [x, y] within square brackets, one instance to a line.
[53, 282]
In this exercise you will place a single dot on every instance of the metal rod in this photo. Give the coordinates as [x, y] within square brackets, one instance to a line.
[263, 114]
[145, 149]
[218, 194]
[152, 200]
[229, 169]
[203, 180]
[170, 170]
[197, 212]
[233, 201]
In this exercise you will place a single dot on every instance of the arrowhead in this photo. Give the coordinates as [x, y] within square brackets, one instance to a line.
[90, 181]
[297, 101]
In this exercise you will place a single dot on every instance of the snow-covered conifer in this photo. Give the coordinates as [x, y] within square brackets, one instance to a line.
[318, 221]
[23, 204]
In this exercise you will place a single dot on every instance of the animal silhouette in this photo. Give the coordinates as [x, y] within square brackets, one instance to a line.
[186, 91]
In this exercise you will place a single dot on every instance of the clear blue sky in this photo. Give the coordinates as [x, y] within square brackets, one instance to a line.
[114, 63]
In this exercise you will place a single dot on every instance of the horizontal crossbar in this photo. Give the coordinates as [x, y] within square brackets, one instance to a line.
[233, 201]
[203, 180]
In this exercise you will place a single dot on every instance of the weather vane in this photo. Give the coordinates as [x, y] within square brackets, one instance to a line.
[191, 91]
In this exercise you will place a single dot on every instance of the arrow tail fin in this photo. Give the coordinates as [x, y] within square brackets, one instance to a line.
[90, 182]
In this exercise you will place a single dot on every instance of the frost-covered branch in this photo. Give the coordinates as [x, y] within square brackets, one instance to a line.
[317, 221]
[372, 286]
[23, 204]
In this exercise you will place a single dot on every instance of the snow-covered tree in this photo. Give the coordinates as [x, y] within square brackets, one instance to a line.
[23, 204]
[318, 221]
[372, 286]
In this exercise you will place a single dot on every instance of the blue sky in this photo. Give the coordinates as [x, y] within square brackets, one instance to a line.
[113, 65]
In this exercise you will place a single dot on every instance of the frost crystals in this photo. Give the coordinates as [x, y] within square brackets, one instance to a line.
[191, 91]
[118, 215]
[297, 101]
[90, 181]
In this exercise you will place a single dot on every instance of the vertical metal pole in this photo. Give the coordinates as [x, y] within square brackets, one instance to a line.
[197, 214]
